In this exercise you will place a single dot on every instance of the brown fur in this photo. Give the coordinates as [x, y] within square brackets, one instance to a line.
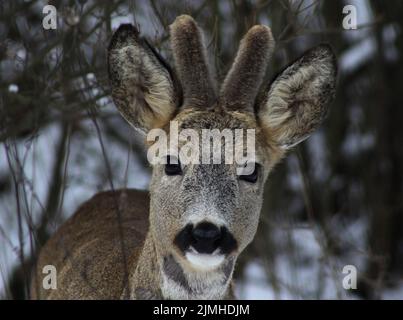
[144, 88]
[297, 101]
[87, 250]
[191, 62]
[242, 83]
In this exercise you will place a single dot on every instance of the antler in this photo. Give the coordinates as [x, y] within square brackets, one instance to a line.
[191, 63]
[242, 82]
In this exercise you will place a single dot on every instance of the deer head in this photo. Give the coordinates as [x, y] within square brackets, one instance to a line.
[203, 215]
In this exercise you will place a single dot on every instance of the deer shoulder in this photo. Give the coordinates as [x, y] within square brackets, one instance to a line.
[88, 251]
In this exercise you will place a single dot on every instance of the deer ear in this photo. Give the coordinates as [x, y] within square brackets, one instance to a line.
[144, 88]
[297, 101]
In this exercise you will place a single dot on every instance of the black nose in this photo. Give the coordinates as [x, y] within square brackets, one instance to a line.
[205, 237]
[206, 232]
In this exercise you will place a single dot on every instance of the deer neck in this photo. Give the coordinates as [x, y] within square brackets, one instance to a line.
[161, 276]
[145, 277]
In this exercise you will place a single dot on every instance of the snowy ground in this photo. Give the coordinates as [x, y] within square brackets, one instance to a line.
[315, 279]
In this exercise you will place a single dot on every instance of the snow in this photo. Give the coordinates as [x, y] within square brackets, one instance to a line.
[357, 55]
[310, 273]
[13, 88]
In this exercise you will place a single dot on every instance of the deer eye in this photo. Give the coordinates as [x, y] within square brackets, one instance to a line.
[173, 166]
[252, 177]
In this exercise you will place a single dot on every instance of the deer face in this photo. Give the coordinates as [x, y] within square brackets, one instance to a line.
[203, 214]
[210, 211]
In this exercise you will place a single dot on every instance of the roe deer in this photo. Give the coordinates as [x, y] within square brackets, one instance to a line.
[182, 240]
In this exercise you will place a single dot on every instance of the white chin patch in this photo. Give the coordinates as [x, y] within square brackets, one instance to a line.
[204, 261]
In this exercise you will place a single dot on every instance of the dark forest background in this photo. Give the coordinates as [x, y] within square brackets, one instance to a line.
[337, 199]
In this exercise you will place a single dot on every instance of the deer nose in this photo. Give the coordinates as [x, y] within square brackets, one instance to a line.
[205, 237]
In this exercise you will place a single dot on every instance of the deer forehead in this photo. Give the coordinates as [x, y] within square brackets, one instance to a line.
[237, 128]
